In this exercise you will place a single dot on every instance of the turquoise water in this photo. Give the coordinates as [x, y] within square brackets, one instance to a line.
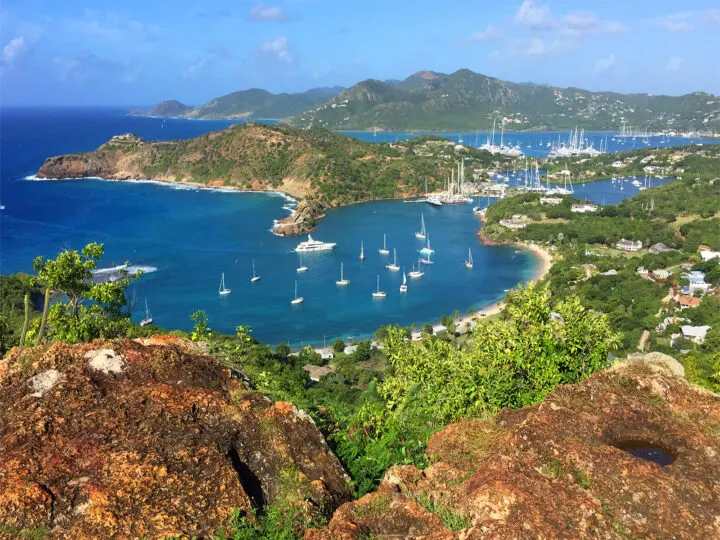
[192, 236]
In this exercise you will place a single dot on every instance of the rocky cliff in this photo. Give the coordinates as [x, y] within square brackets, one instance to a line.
[631, 452]
[146, 440]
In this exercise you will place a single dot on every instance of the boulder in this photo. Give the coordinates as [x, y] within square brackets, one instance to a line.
[631, 452]
[153, 439]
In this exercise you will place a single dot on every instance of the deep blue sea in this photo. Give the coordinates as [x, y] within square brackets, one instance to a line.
[192, 236]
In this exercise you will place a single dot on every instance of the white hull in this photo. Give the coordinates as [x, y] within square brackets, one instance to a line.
[379, 295]
[297, 300]
[403, 288]
[384, 251]
[421, 236]
[415, 275]
[301, 269]
[468, 265]
[225, 292]
[393, 267]
[145, 322]
[254, 279]
[324, 247]
[342, 282]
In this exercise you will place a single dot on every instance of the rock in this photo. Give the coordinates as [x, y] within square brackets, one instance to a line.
[169, 448]
[629, 452]
[106, 360]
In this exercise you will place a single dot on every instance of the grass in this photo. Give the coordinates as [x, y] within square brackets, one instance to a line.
[451, 519]
[376, 508]
[603, 251]
[34, 533]
[556, 469]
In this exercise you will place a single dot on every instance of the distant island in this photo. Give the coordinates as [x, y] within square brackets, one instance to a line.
[252, 103]
[463, 100]
[320, 168]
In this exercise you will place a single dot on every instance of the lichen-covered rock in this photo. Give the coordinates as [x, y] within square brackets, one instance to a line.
[632, 452]
[132, 440]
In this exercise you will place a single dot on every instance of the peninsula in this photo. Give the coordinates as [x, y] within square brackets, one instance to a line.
[320, 168]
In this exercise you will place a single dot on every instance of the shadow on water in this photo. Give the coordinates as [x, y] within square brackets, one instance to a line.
[647, 451]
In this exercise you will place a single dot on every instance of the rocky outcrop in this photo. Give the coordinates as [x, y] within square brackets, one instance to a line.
[631, 452]
[301, 221]
[152, 439]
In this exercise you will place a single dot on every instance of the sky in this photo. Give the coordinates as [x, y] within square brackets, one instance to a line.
[140, 52]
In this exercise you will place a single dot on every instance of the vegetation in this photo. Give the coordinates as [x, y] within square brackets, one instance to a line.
[470, 101]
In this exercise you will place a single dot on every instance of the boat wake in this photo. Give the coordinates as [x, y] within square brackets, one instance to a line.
[114, 273]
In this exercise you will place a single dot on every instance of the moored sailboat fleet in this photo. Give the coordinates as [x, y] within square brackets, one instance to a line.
[426, 253]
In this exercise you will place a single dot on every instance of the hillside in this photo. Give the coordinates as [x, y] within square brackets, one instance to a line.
[252, 103]
[170, 108]
[465, 100]
[321, 168]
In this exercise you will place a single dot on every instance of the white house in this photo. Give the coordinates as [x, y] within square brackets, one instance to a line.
[513, 224]
[437, 328]
[617, 164]
[695, 333]
[552, 201]
[629, 245]
[325, 354]
[349, 349]
[584, 208]
[707, 255]
[416, 335]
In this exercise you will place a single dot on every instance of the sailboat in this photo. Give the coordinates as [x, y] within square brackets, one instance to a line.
[427, 250]
[427, 260]
[414, 274]
[148, 316]
[384, 250]
[421, 233]
[394, 266]
[302, 267]
[378, 293]
[469, 261]
[222, 290]
[403, 287]
[254, 277]
[362, 251]
[342, 281]
[297, 299]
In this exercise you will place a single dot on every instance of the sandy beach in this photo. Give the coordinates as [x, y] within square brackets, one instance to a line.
[545, 260]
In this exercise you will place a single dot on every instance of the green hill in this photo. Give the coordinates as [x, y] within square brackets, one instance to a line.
[252, 103]
[466, 100]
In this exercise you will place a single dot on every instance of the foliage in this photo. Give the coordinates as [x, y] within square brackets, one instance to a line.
[201, 330]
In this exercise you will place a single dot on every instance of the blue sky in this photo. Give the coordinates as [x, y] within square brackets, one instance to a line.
[138, 52]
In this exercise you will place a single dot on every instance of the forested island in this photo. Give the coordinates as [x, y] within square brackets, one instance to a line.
[320, 168]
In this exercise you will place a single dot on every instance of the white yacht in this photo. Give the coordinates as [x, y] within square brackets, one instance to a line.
[314, 245]
[421, 234]
[297, 299]
[254, 277]
[342, 282]
[148, 316]
[427, 260]
[434, 200]
[384, 250]
[302, 267]
[403, 287]
[222, 290]
[378, 293]
[414, 274]
[469, 261]
[427, 250]
[394, 266]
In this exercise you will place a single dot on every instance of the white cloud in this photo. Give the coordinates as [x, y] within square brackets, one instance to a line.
[673, 63]
[577, 23]
[111, 27]
[12, 51]
[675, 22]
[491, 33]
[603, 65]
[279, 48]
[540, 48]
[712, 16]
[206, 60]
[260, 12]
[85, 67]
[534, 15]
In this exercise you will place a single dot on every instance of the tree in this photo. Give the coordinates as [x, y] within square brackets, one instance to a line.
[201, 330]
[282, 351]
[339, 345]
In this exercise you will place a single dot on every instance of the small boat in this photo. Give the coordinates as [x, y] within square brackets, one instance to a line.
[362, 251]
[378, 293]
[148, 316]
[403, 287]
[469, 261]
[427, 250]
[222, 290]
[414, 274]
[433, 200]
[342, 282]
[421, 233]
[427, 260]
[302, 267]
[297, 299]
[254, 277]
[314, 245]
[384, 250]
[394, 266]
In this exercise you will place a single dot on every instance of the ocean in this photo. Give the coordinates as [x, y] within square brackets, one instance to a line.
[191, 236]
